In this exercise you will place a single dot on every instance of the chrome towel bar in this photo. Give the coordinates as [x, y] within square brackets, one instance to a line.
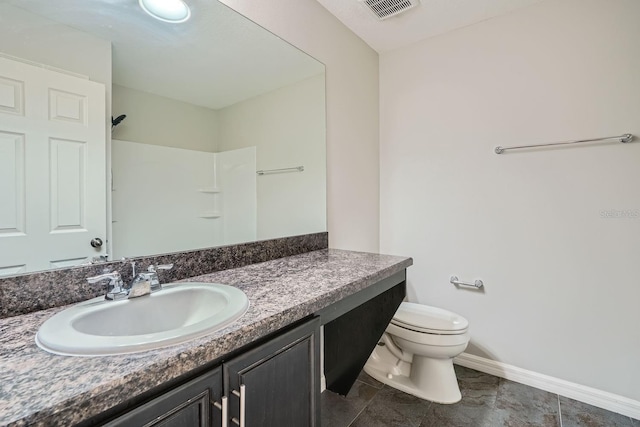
[627, 137]
[476, 284]
[295, 169]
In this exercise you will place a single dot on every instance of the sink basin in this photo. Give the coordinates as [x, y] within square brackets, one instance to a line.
[178, 313]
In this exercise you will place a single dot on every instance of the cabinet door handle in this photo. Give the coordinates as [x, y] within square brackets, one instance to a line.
[224, 407]
[242, 396]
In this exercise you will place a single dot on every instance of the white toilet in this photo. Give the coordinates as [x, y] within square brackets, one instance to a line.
[415, 354]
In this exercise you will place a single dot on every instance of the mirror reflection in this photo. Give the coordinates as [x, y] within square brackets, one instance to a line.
[123, 135]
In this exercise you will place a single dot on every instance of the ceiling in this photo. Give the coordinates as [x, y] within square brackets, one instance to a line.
[223, 56]
[429, 18]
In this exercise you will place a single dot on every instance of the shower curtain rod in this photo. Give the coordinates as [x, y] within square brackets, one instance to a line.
[627, 137]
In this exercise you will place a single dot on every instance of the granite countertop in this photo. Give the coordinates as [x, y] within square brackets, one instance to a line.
[42, 389]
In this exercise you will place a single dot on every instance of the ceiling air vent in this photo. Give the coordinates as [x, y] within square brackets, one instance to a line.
[384, 9]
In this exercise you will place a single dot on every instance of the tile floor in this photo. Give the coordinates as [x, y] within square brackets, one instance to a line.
[487, 401]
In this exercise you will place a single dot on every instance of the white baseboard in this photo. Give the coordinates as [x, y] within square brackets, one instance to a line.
[602, 399]
[323, 383]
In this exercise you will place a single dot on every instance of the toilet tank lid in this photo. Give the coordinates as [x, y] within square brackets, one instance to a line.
[425, 316]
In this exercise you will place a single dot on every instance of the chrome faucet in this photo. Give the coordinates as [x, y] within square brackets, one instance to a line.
[142, 284]
[115, 288]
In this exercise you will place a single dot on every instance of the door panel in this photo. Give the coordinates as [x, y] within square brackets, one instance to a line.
[68, 163]
[11, 96]
[12, 182]
[67, 107]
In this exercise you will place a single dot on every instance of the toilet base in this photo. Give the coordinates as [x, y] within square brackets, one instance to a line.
[426, 378]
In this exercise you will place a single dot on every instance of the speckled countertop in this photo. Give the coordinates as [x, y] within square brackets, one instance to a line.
[38, 388]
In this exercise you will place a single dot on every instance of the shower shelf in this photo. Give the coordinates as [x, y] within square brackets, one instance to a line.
[210, 215]
[209, 190]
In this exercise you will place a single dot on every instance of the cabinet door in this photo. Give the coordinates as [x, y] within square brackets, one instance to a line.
[278, 381]
[191, 404]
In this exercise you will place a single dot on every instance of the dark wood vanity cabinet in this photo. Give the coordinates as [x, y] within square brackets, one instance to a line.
[191, 404]
[279, 381]
[273, 384]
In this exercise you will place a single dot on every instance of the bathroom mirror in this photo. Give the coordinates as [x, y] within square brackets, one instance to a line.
[218, 134]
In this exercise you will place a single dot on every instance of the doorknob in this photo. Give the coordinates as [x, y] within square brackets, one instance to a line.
[96, 242]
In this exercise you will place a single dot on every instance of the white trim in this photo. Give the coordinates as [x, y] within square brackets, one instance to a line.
[602, 399]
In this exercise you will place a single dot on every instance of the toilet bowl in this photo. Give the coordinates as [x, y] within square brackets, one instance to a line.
[415, 354]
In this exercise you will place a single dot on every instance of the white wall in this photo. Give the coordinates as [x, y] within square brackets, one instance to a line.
[153, 119]
[29, 36]
[561, 279]
[352, 112]
[287, 128]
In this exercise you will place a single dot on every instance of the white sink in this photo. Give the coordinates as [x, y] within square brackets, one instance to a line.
[177, 313]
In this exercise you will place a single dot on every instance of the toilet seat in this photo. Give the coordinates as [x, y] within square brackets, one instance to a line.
[426, 330]
[434, 340]
[429, 320]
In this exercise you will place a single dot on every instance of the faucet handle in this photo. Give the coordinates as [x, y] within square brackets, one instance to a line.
[153, 273]
[115, 289]
[112, 276]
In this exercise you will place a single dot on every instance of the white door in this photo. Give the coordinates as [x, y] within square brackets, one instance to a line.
[52, 168]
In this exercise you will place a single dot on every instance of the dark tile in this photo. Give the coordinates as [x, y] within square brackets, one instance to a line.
[368, 379]
[477, 407]
[340, 411]
[487, 401]
[521, 405]
[392, 408]
[576, 413]
[459, 414]
[477, 388]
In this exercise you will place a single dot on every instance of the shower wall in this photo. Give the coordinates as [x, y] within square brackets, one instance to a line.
[181, 200]
[237, 183]
[286, 128]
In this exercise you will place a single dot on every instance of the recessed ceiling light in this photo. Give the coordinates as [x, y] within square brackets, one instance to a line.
[174, 11]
